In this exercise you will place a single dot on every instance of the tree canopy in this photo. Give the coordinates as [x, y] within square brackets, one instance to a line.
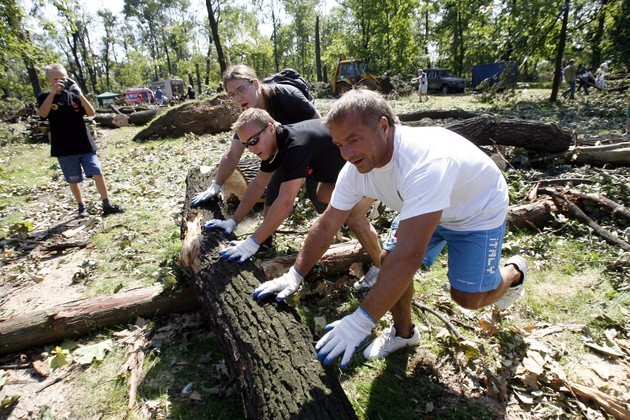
[155, 39]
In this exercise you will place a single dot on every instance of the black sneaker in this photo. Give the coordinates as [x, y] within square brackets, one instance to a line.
[82, 211]
[111, 208]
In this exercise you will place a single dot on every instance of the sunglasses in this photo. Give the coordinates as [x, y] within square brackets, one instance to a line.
[238, 92]
[253, 140]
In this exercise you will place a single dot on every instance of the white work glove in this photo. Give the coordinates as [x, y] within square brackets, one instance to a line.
[344, 336]
[285, 286]
[206, 195]
[240, 249]
[227, 225]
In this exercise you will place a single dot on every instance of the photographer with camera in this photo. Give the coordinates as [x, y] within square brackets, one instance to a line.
[71, 141]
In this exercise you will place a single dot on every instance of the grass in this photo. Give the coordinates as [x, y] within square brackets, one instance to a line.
[568, 283]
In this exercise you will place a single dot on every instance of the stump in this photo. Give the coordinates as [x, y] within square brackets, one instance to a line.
[269, 351]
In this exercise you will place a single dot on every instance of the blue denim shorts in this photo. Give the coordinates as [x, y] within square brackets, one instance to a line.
[473, 256]
[71, 167]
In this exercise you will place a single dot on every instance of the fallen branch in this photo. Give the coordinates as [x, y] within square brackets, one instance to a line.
[77, 318]
[452, 328]
[577, 213]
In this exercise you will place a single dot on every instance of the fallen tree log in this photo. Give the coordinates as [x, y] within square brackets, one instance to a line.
[113, 120]
[437, 114]
[269, 351]
[616, 154]
[486, 130]
[143, 117]
[337, 259]
[80, 317]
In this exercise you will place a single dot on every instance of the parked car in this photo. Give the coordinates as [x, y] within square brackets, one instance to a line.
[444, 81]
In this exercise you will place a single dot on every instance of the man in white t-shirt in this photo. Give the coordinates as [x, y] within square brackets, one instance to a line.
[446, 191]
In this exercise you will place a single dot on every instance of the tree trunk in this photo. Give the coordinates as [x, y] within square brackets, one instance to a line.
[80, 317]
[267, 347]
[532, 135]
[437, 114]
[337, 259]
[214, 27]
[557, 75]
[112, 120]
[142, 117]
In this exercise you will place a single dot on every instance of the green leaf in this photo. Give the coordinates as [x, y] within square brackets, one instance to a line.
[87, 354]
[59, 359]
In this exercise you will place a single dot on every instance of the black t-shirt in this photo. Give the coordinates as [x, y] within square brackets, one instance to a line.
[305, 149]
[68, 133]
[288, 105]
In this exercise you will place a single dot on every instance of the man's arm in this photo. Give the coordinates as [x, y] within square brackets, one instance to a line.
[319, 238]
[229, 161]
[401, 264]
[279, 210]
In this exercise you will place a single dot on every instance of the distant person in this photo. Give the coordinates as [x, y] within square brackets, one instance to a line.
[296, 152]
[600, 76]
[585, 80]
[71, 141]
[570, 73]
[159, 96]
[423, 85]
[191, 92]
[448, 193]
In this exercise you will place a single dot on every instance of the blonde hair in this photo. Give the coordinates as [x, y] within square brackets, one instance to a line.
[368, 104]
[51, 68]
[256, 116]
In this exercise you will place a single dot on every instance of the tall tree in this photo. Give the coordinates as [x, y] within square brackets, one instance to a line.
[213, 15]
[560, 51]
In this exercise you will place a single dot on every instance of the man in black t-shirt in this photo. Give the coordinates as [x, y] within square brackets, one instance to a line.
[71, 141]
[296, 152]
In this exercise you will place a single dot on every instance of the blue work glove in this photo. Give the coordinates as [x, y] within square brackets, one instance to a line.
[240, 249]
[344, 336]
[285, 286]
[206, 195]
[227, 225]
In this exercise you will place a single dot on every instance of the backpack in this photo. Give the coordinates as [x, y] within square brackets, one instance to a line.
[293, 78]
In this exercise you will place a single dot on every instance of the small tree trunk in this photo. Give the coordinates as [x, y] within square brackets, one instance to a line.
[82, 316]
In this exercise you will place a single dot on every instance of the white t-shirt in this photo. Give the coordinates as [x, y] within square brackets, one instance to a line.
[431, 169]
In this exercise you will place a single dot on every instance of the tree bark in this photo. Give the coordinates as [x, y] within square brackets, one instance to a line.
[337, 259]
[142, 117]
[268, 349]
[80, 317]
[532, 135]
[437, 114]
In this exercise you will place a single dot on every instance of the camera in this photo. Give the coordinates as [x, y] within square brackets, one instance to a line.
[68, 83]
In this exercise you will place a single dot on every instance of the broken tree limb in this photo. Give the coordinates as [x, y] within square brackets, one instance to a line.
[616, 208]
[487, 130]
[337, 259]
[80, 317]
[574, 211]
[269, 351]
[616, 154]
[437, 114]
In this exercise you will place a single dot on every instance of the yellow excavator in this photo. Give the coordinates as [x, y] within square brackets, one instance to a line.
[351, 74]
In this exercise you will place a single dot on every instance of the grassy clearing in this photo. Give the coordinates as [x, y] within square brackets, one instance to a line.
[569, 283]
